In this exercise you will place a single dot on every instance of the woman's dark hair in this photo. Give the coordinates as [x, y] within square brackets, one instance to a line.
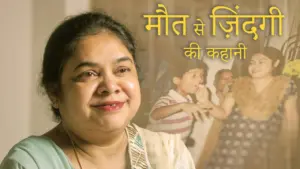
[63, 43]
[273, 54]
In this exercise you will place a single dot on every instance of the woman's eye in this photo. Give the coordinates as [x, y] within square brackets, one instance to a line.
[88, 75]
[123, 70]
[261, 62]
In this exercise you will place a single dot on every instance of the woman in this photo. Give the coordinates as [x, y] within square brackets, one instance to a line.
[260, 119]
[89, 73]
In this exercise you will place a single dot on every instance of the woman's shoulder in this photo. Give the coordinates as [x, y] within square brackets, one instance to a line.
[33, 152]
[245, 81]
[33, 143]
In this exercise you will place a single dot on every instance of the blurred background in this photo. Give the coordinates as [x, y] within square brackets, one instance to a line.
[26, 25]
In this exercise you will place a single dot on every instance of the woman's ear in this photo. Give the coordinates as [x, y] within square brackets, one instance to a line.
[176, 80]
[276, 63]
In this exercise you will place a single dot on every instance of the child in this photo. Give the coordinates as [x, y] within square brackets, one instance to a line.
[174, 112]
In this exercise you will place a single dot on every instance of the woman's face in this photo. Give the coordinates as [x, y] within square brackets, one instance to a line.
[100, 87]
[260, 66]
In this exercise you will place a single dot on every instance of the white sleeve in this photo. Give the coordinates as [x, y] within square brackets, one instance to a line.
[166, 151]
[183, 158]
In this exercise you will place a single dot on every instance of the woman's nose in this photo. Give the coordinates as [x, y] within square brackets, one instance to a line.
[108, 85]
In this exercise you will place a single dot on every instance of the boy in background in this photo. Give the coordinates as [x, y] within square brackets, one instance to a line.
[174, 112]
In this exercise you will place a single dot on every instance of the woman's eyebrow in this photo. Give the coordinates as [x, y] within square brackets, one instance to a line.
[263, 59]
[123, 59]
[85, 64]
[93, 64]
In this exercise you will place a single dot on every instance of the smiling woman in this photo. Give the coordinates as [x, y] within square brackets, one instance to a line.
[100, 86]
[90, 75]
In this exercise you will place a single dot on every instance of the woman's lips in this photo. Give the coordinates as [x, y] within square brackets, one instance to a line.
[110, 106]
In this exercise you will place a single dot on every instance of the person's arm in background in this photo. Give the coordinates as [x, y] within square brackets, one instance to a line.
[224, 110]
[218, 112]
[168, 110]
[162, 110]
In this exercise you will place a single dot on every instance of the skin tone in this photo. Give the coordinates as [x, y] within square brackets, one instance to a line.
[187, 84]
[260, 69]
[100, 95]
[225, 79]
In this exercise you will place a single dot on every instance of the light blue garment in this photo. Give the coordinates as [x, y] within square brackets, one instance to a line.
[36, 152]
[147, 150]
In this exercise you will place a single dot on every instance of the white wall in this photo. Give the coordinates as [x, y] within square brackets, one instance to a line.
[45, 20]
[15, 71]
[25, 27]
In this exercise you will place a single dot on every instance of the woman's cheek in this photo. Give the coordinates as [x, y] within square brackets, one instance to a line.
[83, 92]
[131, 87]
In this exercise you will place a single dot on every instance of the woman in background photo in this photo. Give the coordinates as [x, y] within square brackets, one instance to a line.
[259, 118]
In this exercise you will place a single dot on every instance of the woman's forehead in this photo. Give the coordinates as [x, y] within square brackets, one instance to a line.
[259, 56]
[102, 42]
[100, 49]
[104, 46]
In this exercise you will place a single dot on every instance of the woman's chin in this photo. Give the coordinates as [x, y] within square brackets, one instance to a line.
[258, 75]
[109, 124]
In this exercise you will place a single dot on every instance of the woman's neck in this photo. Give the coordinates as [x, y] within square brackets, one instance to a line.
[96, 146]
[262, 79]
[101, 153]
[261, 83]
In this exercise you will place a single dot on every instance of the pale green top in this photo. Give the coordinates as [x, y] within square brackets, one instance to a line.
[147, 150]
[36, 152]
